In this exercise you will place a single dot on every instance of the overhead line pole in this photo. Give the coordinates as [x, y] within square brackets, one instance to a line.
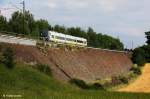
[132, 44]
[23, 3]
[23, 11]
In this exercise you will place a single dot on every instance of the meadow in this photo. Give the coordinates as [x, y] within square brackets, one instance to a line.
[30, 83]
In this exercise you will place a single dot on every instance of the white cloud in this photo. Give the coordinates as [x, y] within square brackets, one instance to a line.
[52, 5]
[110, 5]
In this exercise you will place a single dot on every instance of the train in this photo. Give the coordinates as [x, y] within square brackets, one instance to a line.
[60, 38]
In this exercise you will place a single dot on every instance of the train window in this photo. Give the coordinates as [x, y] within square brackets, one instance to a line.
[68, 39]
[79, 41]
[60, 38]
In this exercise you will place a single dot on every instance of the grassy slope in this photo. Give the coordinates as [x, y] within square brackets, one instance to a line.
[32, 84]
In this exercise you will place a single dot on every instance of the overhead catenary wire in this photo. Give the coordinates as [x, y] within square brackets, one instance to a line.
[8, 7]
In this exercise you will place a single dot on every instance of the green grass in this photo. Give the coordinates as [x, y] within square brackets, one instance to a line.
[32, 84]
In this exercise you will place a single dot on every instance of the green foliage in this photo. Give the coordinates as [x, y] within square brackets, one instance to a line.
[42, 25]
[19, 23]
[121, 79]
[115, 81]
[3, 23]
[81, 84]
[31, 83]
[141, 55]
[44, 68]
[124, 79]
[148, 37]
[26, 24]
[136, 70]
[1, 57]
[60, 29]
[96, 86]
[8, 58]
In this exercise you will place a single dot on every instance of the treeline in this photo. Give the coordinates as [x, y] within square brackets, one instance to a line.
[27, 25]
[141, 55]
[23, 24]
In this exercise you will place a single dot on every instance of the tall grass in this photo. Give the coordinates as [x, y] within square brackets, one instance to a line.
[33, 84]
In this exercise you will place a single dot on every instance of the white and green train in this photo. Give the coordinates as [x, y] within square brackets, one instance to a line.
[60, 38]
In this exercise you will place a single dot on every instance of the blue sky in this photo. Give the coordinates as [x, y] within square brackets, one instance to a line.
[126, 19]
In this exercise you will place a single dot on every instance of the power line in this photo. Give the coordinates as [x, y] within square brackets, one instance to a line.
[9, 7]
[15, 6]
[5, 9]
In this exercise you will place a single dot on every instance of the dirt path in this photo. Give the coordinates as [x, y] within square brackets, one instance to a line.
[142, 84]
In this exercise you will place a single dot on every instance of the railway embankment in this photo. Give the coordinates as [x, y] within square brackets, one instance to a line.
[86, 64]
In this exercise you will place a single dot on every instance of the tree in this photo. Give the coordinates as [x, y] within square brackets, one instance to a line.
[23, 24]
[141, 55]
[9, 58]
[3, 23]
[60, 29]
[17, 23]
[146, 48]
[31, 25]
[103, 41]
[138, 56]
[42, 25]
[92, 37]
[148, 37]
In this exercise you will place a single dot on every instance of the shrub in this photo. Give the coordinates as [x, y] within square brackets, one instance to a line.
[136, 70]
[123, 79]
[8, 58]
[1, 57]
[132, 75]
[97, 86]
[44, 68]
[115, 80]
[79, 83]
[83, 85]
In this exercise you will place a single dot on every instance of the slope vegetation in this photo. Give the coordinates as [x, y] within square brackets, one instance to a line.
[29, 83]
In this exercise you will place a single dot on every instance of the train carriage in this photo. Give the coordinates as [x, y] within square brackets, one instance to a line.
[60, 38]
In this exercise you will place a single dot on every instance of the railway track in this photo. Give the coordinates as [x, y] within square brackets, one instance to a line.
[17, 40]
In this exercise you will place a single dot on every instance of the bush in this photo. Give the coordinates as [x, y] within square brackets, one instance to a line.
[115, 80]
[8, 58]
[83, 85]
[79, 83]
[132, 75]
[44, 68]
[1, 57]
[136, 70]
[97, 86]
[123, 79]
